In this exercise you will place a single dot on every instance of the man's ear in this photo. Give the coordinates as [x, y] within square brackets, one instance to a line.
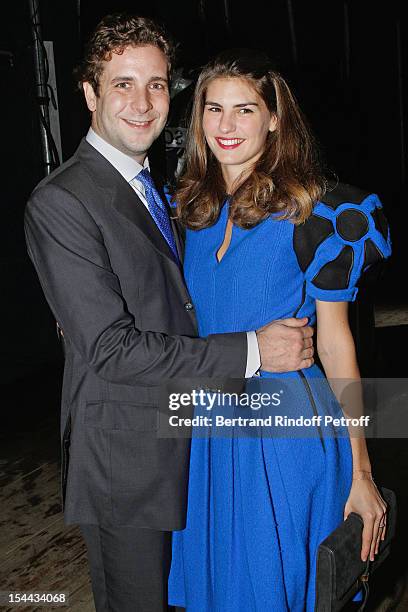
[90, 96]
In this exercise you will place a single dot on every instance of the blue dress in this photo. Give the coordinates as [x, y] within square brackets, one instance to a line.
[259, 506]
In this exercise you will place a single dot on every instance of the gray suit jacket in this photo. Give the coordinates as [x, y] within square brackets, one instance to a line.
[120, 298]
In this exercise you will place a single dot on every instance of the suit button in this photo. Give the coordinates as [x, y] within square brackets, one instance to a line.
[188, 306]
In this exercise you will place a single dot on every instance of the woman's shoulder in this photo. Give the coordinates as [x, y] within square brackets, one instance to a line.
[342, 193]
[352, 212]
[346, 233]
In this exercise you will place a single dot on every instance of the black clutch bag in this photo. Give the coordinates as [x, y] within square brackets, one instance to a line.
[340, 572]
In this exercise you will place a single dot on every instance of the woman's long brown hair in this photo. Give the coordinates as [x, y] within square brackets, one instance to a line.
[287, 179]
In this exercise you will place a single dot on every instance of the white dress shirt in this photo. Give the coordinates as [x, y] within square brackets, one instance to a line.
[129, 168]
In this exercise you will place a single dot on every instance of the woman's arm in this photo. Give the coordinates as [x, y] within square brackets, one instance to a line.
[335, 346]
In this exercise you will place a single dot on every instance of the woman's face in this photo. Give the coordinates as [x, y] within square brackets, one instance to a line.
[236, 123]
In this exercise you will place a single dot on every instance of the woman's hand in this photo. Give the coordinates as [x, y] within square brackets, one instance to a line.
[365, 500]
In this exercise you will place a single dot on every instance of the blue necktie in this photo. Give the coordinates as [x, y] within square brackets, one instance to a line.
[157, 209]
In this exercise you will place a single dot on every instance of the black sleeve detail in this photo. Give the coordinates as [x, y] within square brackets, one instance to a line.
[342, 194]
[308, 237]
[336, 274]
[380, 222]
[372, 254]
[352, 225]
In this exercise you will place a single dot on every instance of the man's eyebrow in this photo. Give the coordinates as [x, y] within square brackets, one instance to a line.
[159, 78]
[241, 105]
[120, 79]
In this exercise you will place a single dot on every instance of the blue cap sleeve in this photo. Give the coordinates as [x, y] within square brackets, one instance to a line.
[339, 241]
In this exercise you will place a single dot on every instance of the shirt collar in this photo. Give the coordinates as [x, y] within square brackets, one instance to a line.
[129, 168]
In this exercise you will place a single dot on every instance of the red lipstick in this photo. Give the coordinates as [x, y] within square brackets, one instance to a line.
[229, 143]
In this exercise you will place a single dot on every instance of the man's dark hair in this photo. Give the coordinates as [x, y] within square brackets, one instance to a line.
[112, 35]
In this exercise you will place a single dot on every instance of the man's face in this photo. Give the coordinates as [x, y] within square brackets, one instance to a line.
[133, 102]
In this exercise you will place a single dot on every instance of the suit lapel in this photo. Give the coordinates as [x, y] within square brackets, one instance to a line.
[178, 237]
[123, 198]
[127, 202]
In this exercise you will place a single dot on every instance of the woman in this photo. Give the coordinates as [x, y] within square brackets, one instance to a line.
[265, 241]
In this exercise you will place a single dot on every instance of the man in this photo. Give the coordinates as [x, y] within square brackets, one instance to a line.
[108, 258]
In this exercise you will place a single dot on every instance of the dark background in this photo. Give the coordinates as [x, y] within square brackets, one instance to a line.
[347, 63]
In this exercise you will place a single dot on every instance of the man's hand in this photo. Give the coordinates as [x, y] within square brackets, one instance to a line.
[286, 345]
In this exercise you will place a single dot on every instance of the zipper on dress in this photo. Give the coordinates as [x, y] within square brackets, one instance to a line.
[295, 314]
[313, 403]
[303, 377]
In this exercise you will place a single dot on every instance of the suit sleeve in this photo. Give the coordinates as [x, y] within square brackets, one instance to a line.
[67, 249]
